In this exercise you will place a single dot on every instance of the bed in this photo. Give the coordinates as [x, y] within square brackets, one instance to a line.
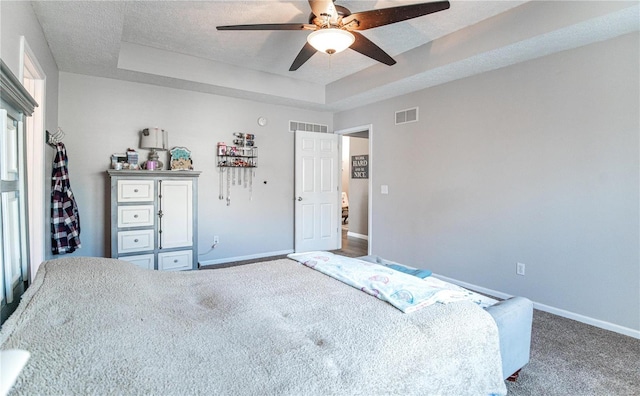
[96, 325]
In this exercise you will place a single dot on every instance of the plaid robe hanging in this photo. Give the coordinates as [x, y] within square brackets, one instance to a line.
[65, 219]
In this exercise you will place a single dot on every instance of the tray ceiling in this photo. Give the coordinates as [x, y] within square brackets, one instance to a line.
[176, 44]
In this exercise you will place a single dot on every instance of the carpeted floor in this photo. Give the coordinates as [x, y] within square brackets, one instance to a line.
[572, 358]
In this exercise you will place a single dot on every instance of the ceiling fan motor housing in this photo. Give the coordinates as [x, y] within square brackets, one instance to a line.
[324, 20]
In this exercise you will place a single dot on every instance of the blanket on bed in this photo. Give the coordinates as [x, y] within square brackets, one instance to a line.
[406, 292]
[103, 326]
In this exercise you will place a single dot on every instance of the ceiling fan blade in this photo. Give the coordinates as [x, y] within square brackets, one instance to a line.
[305, 53]
[385, 16]
[269, 26]
[366, 47]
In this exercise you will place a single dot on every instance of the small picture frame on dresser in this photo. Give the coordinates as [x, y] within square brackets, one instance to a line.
[181, 159]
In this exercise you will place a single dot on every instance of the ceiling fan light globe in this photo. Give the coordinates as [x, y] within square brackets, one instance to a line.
[331, 40]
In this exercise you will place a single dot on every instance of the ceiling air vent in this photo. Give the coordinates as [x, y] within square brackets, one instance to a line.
[308, 127]
[406, 116]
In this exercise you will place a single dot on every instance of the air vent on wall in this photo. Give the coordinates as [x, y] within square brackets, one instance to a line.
[406, 116]
[308, 127]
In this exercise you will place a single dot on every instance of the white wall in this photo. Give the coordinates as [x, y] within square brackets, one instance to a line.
[345, 165]
[535, 163]
[103, 116]
[18, 19]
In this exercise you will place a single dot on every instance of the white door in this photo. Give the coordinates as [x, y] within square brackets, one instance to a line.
[317, 195]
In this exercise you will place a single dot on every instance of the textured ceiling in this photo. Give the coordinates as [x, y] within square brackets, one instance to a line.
[176, 44]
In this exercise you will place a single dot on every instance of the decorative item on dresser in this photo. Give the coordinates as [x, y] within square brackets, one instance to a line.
[181, 159]
[154, 139]
[154, 218]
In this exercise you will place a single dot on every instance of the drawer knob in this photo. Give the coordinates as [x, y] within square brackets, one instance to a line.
[136, 190]
[135, 216]
[135, 240]
[175, 261]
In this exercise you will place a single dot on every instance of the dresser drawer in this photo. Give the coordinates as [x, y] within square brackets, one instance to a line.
[175, 261]
[136, 190]
[135, 216]
[135, 241]
[142, 260]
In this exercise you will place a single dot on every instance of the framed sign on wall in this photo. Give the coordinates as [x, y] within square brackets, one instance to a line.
[360, 166]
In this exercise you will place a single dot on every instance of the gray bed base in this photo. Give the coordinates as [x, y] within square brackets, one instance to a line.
[513, 317]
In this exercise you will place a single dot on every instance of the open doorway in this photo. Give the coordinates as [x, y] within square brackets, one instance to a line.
[356, 191]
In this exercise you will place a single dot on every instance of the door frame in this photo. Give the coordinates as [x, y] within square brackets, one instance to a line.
[35, 145]
[369, 129]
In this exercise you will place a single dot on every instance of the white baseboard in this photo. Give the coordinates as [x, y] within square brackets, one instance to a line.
[589, 320]
[242, 258]
[360, 236]
[556, 311]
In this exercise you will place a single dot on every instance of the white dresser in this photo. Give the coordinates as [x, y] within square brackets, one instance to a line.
[154, 218]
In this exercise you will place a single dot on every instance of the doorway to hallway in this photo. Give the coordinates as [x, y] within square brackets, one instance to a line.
[356, 189]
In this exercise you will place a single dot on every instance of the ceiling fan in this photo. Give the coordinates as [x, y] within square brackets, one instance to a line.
[335, 28]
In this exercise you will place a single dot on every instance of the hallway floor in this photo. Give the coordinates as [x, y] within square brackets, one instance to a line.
[352, 247]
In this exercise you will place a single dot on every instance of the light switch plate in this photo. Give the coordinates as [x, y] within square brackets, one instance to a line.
[384, 189]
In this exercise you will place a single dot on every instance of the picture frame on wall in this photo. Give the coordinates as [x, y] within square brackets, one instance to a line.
[360, 166]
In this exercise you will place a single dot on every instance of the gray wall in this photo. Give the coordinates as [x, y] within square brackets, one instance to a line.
[18, 19]
[535, 163]
[358, 191]
[103, 116]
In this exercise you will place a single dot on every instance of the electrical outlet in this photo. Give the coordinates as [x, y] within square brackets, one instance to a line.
[520, 269]
[216, 239]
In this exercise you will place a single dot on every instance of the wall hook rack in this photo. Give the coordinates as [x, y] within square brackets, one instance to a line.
[56, 137]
